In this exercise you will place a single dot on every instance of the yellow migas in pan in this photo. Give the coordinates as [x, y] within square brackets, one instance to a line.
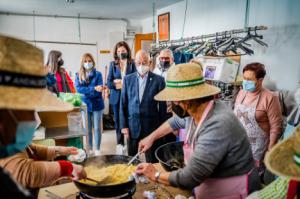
[109, 169]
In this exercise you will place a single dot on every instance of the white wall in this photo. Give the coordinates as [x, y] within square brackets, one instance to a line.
[281, 16]
[203, 16]
[104, 33]
[147, 24]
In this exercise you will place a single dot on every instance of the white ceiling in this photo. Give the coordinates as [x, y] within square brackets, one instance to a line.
[129, 9]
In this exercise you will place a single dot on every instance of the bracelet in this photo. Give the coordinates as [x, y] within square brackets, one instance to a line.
[157, 175]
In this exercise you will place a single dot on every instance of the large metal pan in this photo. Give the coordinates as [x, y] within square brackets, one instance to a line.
[106, 191]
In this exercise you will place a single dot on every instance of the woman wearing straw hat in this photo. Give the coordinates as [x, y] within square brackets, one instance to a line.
[284, 161]
[219, 162]
[23, 91]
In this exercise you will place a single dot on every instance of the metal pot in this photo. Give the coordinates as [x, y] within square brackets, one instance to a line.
[107, 190]
[170, 156]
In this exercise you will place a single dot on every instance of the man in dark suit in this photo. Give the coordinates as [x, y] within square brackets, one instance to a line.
[140, 114]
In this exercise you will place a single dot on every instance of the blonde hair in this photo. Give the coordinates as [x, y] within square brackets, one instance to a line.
[82, 70]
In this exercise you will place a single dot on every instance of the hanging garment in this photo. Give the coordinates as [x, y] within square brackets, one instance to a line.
[182, 57]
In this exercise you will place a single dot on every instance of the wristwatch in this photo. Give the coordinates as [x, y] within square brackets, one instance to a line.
[156, 176]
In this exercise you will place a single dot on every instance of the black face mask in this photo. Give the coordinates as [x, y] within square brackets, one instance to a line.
[123, 55]
[60, 62]
[179, 111]
[165, 64]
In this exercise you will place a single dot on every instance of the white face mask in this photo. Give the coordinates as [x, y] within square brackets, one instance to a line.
[88, 65]
[297, 96]
[142, 69]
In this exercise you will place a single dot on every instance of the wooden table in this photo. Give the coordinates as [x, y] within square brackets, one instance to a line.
[69, 190]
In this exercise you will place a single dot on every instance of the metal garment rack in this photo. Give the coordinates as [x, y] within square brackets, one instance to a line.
[201, 37]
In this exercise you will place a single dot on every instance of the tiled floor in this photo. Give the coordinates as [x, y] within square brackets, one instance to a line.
[108, 142]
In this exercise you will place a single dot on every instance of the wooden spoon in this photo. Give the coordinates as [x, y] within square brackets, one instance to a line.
[98, 181]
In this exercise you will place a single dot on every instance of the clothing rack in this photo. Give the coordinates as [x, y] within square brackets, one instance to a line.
[201, 37]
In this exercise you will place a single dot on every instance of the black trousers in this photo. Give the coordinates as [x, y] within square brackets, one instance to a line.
[120, 136]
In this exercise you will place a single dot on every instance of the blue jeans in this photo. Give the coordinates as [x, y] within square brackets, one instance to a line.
[94, 120]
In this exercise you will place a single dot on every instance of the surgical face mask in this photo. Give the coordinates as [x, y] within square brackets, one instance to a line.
[249, 85]
[165, 65]
[21, 138]
[60, 62]
[24, 135]
[123, 55]
[88, 65]
[142, 69]
[180, 112]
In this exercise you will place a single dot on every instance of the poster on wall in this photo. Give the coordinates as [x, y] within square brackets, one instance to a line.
[164, 27]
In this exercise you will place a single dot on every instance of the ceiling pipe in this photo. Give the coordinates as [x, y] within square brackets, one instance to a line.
[247, 9]
[62, 42]
[64, 16]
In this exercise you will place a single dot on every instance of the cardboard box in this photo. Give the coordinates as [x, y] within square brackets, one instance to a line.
[219, 69]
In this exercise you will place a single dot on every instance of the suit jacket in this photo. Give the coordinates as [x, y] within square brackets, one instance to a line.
[145, 116]
[115, 73]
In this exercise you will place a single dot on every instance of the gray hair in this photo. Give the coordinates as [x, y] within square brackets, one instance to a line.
[166, 50]
[140, 53]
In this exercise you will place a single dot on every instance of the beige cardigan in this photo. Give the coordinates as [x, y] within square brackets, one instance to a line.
[33, 173]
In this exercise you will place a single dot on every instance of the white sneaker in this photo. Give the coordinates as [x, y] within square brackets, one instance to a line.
[97, 153]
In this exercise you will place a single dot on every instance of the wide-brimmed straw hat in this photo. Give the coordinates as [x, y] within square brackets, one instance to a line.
[23, 78]
[185, 82]
[284, 158]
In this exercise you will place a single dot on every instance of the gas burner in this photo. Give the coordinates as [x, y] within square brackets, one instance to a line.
[128, 195]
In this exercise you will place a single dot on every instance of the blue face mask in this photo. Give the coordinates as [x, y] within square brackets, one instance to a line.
[24, 135]
[249, 85]
[88, 65]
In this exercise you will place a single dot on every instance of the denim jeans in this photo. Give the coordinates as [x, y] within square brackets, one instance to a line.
[94, 121]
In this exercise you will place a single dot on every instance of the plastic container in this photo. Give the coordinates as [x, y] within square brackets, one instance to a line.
[75, 121]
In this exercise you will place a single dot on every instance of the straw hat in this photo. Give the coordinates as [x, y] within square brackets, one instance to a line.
[284, 158]
[23, 78]
[185, 82]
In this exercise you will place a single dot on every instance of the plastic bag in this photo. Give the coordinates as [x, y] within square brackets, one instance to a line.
[78, 158]
[73, 98]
